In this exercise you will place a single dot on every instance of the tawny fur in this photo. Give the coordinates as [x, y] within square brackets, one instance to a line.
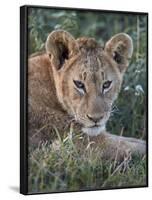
[54, 102]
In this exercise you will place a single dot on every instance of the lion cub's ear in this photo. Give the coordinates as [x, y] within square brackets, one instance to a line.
[120, 49]
[60, 46]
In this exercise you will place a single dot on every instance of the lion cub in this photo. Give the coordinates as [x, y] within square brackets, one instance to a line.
[77, 81]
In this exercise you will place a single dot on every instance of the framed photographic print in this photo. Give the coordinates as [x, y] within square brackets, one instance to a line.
[84, 99]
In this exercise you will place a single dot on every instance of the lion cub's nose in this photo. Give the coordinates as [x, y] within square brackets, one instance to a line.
[95, 118]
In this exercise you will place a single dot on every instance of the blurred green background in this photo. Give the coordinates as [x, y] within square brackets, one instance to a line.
[130, 108]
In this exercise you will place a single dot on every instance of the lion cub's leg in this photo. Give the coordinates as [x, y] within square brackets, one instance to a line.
[113, 145]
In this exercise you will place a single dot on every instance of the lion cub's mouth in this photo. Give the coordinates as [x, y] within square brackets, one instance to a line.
[96, 125]
[93, 130]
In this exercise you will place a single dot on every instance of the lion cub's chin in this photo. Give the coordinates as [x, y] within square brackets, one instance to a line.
[94, 131]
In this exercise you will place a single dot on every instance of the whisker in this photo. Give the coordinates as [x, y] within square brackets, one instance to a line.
[115, 108]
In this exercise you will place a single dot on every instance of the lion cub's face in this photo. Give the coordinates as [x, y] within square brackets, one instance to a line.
[88, 77]
[93, 85]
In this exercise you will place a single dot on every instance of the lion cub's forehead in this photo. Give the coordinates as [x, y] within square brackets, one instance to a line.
[93, 60]
[91, 68]
[95, 68]
[92, 54]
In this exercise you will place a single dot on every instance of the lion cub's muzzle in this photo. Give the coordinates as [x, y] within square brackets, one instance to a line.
[95, 118]
[95, 124]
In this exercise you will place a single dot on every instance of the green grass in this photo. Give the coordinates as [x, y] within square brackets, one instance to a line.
[63, 167]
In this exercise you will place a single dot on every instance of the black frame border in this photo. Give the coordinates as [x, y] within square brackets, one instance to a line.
[24, 96]
[23, 100]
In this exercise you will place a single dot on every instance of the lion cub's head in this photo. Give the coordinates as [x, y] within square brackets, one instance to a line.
[88, 77]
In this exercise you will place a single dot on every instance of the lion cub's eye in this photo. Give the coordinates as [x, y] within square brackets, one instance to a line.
[79, 85]
[107, 84]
